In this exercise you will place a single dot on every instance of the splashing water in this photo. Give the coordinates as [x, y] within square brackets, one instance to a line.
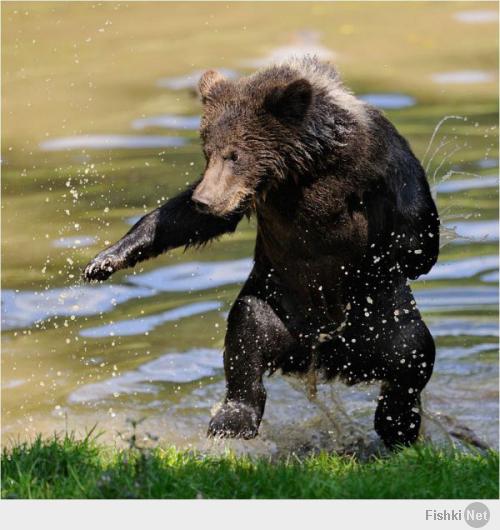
[150, 344]
[435, 132]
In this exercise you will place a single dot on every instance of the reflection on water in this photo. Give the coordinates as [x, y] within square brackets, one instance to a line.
[112, 141]
[464, 268]
[194, 276]
[456, 298]
[389, 101]
[146, 324]
[475, 231]
[168, 121]
[190, 81]
[22, 309]
[467, 327]
[185, 367]
[477, 16]
[463, 77]
[490, 277]
[305, 42]
[75, 242]
[133, 219]
[458, 352]
[487, 163]
[452, 186]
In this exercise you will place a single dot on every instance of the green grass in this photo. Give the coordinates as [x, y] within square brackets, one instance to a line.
[70, 468]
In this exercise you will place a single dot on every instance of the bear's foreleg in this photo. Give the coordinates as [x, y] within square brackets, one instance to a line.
[175, 224]
[256, 338]
[407, 371]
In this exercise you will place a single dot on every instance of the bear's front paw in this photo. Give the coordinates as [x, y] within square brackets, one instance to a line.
[101, 267]
[234, 420]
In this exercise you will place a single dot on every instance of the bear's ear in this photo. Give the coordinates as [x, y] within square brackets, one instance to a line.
[206, 83]
[290, 103]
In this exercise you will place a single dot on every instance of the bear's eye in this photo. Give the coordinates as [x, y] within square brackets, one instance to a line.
[233, 156]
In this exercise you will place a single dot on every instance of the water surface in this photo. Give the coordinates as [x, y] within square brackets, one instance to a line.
[148, 344]
[463, 77]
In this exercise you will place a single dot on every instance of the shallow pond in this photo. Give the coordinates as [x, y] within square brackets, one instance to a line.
[147, 346]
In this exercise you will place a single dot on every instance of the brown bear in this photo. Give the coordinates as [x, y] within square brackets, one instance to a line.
[344, 217]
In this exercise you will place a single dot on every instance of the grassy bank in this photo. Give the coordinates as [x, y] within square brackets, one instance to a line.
[67, 468]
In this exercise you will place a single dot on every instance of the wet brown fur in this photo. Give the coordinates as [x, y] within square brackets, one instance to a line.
[344, 218]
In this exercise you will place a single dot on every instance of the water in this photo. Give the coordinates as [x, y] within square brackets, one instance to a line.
[190, 80]
[145, 325]
[487, 163]
[195, 275]
[490, 277]
[467, 184]
[475, 230]
[304, 42]
[462, 268]
[111, 141]
[185, 367]
[463, 77]
[480, 16]
[20, 309]
[74, 242]
[389, 101]
[168, 121]
[148, 344]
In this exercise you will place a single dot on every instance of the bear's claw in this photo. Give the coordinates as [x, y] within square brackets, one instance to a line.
[100, 268]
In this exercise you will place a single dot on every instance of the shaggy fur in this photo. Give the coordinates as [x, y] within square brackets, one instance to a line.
[344, 218]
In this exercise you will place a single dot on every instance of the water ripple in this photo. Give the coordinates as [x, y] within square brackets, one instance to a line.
[112, 141]
[195, 275]
[446, 327]
[475, 230]
[479, 16]
[74, 242]
[463, 268]
[389, 101]
[169, 121]
[138, 326]
[451, 186]
[187, 367]
[25, 308]
[490, 277]
[455, 299]
[463, 77]
[190, 81]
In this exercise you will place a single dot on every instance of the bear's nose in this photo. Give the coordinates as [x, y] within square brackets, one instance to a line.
[202, 201]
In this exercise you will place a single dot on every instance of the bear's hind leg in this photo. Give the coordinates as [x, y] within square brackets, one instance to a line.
[255, 337]
[397, 418]
[407, 371]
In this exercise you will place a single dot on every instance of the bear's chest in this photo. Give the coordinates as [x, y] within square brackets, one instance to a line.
[310, 224]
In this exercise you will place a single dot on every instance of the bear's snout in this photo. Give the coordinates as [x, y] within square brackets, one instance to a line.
[201, 200]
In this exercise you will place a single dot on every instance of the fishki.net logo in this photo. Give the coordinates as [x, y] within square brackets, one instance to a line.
[475, 515]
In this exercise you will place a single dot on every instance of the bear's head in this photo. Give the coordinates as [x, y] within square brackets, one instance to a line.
[247, 129]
